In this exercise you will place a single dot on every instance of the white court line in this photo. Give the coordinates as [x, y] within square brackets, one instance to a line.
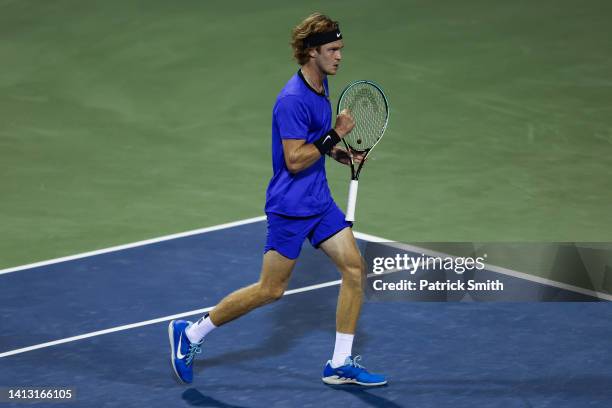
[492, 268]
[134, 244]
[147, 322]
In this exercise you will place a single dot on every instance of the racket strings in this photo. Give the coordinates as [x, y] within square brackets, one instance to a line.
[369, 109]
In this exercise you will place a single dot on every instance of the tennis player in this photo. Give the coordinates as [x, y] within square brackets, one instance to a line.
[299, 206]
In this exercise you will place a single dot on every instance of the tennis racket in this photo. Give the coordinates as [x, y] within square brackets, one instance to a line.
[370, 110]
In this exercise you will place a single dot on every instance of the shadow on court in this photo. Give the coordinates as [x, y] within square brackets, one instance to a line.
[195, 398]
[365, 395]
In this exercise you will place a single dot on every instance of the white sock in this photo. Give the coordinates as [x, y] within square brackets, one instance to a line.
[197, 331]
[343, 348]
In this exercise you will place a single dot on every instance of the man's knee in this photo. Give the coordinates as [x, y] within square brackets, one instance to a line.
[271, 293]
[353, 271]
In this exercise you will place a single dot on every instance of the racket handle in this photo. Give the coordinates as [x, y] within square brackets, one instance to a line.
[352, 201]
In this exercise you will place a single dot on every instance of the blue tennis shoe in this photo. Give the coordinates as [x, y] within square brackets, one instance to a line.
[351, 373]
[182, 350]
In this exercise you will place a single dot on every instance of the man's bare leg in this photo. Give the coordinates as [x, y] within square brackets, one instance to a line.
[275, 273]
[186, 337]
[343, 251]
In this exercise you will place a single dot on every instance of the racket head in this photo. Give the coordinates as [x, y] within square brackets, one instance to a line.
[369, 107]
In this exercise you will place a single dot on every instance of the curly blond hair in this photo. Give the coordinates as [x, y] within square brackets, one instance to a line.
[314, 23]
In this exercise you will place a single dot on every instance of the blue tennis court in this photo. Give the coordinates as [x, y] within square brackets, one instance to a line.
[98, 324]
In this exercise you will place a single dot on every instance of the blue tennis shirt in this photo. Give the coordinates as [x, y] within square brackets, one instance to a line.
[299, 113]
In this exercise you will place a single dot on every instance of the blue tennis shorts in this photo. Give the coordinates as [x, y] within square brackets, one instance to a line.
[286, 234]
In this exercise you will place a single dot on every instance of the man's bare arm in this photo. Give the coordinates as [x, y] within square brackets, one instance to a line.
[300, 155]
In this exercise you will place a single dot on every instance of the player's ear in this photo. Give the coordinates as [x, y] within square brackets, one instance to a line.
[313, 52]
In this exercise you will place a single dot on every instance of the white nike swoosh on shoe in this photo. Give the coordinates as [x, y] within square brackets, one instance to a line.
[179, 355]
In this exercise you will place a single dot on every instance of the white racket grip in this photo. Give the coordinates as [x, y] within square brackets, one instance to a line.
[352, 201]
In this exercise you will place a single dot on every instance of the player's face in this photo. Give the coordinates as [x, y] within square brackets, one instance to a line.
[328, 59]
